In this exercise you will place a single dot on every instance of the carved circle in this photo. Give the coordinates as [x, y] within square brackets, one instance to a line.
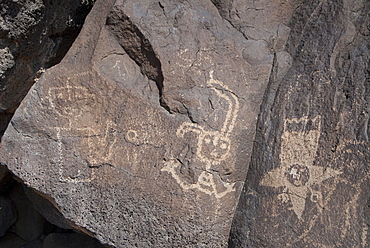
[131, 135]
[298, 175]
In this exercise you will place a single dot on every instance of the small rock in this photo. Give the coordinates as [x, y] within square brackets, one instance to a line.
[7, 214]
[70, 240]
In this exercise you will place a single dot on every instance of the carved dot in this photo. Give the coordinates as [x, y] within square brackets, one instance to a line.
[298, 175]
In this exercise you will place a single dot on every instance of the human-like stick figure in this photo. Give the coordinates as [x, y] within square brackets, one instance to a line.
[213, 146]
[76, 109]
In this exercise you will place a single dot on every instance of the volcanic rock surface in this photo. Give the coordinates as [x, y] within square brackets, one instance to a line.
[144, 135]
[308, 182]
[34, 35]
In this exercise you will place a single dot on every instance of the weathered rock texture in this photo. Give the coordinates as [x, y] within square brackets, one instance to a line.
[34, 35]
[143, 133]
[308, 183]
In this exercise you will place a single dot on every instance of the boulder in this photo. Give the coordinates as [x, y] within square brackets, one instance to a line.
[308, 182]
[143, 133]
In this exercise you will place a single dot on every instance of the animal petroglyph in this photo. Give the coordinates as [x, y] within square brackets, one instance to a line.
[213, 147]
[76, 108]
[297, 174]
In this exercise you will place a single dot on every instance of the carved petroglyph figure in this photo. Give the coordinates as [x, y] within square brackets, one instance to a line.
[297, 174]
[76, 108]
[213, 147]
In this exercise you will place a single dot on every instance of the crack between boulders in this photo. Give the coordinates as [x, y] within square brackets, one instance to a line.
[265, 108]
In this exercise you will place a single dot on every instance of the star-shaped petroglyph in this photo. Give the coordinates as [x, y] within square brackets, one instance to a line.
[297, 174]
[298, 181]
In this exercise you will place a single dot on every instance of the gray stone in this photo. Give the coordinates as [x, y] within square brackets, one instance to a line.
[7, 214]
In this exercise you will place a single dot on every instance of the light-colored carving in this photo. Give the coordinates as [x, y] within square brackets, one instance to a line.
[297, 174]
[213, 147]
[76, 108]
[133, 137]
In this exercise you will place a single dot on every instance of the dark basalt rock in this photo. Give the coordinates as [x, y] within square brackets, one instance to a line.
[34, 35]
[146, 135]
[308, 183]
[143, 133]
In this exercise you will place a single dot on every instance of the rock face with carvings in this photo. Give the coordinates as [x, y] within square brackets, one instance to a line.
[142, 134]
[308, 182]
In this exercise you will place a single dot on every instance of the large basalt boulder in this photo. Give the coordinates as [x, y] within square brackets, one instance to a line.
[308, 183]
[142, 135]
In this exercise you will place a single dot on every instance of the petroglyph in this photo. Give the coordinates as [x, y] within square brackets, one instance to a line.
[297, 173]
[213, 147]
[76, 108]
[207, 181]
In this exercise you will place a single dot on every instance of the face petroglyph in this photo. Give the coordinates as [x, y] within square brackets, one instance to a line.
[298, 175]
[213, 147]
[74, 105]
[71, 101]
